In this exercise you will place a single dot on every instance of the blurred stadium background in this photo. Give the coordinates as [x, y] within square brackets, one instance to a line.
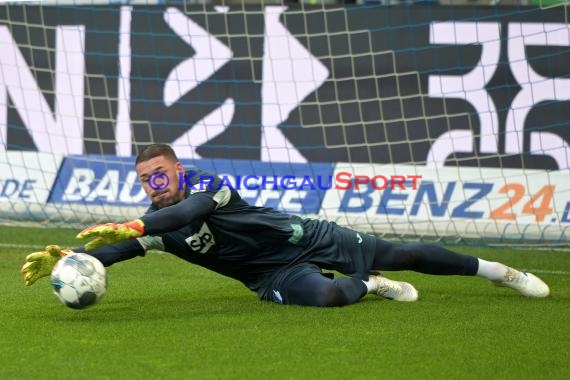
[472, 97]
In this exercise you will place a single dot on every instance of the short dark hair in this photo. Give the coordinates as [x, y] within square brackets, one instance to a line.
[156, 150]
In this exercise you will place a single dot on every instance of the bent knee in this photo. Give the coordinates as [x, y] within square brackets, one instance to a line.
[330, 296]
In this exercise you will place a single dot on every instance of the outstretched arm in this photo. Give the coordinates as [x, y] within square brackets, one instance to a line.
[40, 264]
[196, 207]
[172, 218]
[114, 253]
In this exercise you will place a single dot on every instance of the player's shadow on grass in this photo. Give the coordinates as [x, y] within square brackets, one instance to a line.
[173, 306]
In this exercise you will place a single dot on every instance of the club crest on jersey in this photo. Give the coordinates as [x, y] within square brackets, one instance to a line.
[202, 240]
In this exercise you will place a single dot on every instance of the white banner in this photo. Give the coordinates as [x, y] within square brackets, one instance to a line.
[27, 177]
[450, 200]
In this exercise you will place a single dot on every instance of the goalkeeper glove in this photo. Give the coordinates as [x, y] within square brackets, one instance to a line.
[40, 264]
[110, 233]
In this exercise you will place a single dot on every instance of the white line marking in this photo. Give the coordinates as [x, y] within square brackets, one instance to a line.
[26, 246]
[546, 271]
[41, 247]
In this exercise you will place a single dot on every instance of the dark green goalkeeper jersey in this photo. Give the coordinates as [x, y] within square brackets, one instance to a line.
[216, 229]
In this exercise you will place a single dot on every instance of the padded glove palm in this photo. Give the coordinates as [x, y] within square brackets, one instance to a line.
[40, 264]
[110, 233]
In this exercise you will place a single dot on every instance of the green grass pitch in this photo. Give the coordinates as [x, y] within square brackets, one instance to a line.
[165, 319]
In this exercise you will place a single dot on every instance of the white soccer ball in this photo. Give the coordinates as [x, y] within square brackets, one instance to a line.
[79, 280]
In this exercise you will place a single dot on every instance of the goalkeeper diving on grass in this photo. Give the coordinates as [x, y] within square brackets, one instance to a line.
[283, 258]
